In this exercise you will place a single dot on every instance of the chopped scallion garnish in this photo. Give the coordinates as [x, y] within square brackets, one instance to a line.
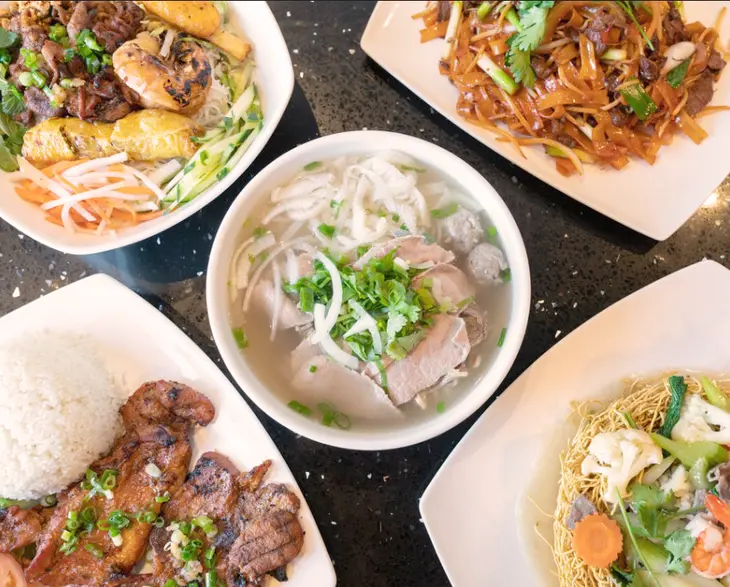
[240, 337]
[312, 165]
[440, 407]
[95, 550]
[300, 408]
[327, 230]
[446, 211]
[502, 336]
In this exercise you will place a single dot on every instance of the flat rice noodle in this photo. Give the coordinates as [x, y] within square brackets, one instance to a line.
[668, 94]
[527, 105]
[435, 31]
[576, 20]
[567, 97]
[565, 54]
[613, 36]
[693, 130]
[558, 113]
[561, 11]
[699, 63]
[604, 149]
[694, 28]
[575, 133]
[588, 62]
[564, 167]
[470, 80]
[498, 46]
[485, 108]
[619, 162]
[516, 110]
[655, 26]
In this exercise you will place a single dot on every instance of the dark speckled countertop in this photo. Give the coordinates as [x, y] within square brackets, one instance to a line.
[366, 504]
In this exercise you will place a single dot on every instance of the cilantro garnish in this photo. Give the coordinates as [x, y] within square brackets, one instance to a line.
[381, 288]
[533, 18]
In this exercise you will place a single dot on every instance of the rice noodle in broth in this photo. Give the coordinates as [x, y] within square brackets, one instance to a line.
[370, 281]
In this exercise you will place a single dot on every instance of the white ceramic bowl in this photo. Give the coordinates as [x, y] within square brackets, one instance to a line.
[408, 431]
[275, 77]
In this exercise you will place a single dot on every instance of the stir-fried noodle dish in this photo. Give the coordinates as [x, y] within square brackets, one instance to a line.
[593, 82]
[644, 492]
[114, 113]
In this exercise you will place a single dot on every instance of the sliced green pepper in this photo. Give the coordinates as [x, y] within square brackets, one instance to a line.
[638, 100]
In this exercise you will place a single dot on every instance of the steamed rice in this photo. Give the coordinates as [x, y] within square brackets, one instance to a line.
[58, 412]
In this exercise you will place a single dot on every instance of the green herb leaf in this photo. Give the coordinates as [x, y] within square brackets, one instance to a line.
[446, 211]
[327, 230]
[621, 576]
[12, 100]
[240, 337]
[680, 544]
[7, 159]
[676, 76]
[518, 62]
[7, 38]
[533, 21]
[440, 407]
[678, 389]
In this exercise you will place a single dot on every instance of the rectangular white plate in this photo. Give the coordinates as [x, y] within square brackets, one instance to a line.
[275, 79]
[654, 200]
[140, 344]
[477, 509]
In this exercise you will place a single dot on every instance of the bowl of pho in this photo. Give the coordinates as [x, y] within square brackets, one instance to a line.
[368, 290]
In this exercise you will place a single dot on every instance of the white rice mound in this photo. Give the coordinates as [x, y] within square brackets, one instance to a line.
[58, 412]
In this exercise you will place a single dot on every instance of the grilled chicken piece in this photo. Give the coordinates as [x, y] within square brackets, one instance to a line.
[158, 419]
[257, 531]
[18, 528]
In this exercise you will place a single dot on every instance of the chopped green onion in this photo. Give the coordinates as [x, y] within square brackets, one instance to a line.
[171, 583]
[335, 204]
[68, 55]
[306, 299]
[57, 33]
[300, 408]
[312, 165]
[614, 54]
[327, 230]
[626, 6]
[49, 501]
[502, 336]
[446, 211]
[148, 517]
[492, 234]
[95, 550]
[440, 407]
[506, 275]
[163, 498]
[185, 528]
[259, 231]
[66, 535]
[25, 79]
[342, 421]
[498, 75]
[159, 522]
[313, 368]
[410, 167]
[396, 218]
[676, 75]
[638, 100]
[484, 9]
[209, 558]
[240, 337]
[211, 579]
[109, 479]
[513, 18]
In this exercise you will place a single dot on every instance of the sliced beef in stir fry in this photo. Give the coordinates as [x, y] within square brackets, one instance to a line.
[715, 63]
[597, 29]
[673, 27]
[619, 116]
[101, 98]
[648, 70]
[113, 23]
[700, 94]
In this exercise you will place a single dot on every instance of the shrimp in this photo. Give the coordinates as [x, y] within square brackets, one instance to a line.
[200, 19]
[713, 562]
[178, 82]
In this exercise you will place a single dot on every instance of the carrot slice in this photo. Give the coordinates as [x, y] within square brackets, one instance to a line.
[597, 540]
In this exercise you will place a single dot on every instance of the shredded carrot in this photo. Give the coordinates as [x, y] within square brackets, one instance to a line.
[597, 540]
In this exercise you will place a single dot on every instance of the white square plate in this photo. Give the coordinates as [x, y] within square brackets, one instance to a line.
[140, 344]
[652, 199]
[275, 80]
[478, 508]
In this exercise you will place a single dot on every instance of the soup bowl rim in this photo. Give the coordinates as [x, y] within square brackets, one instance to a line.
[403, 432]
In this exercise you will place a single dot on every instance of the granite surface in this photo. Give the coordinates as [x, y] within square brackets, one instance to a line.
[366, 504]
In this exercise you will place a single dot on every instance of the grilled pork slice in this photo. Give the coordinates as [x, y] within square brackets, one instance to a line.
[226, 523]
[100, 528]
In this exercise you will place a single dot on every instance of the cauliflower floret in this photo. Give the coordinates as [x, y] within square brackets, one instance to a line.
[678, 483]
[619, 457]
[701, 421]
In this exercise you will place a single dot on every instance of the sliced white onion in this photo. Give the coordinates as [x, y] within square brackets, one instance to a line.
[244, 263]
[94, 164]
[117, 540]
[278, 301]
[676, 54]
[292, 267]
[361, 325]
[335, 303]
[146, 181]
[371, 325]
[328, 345]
